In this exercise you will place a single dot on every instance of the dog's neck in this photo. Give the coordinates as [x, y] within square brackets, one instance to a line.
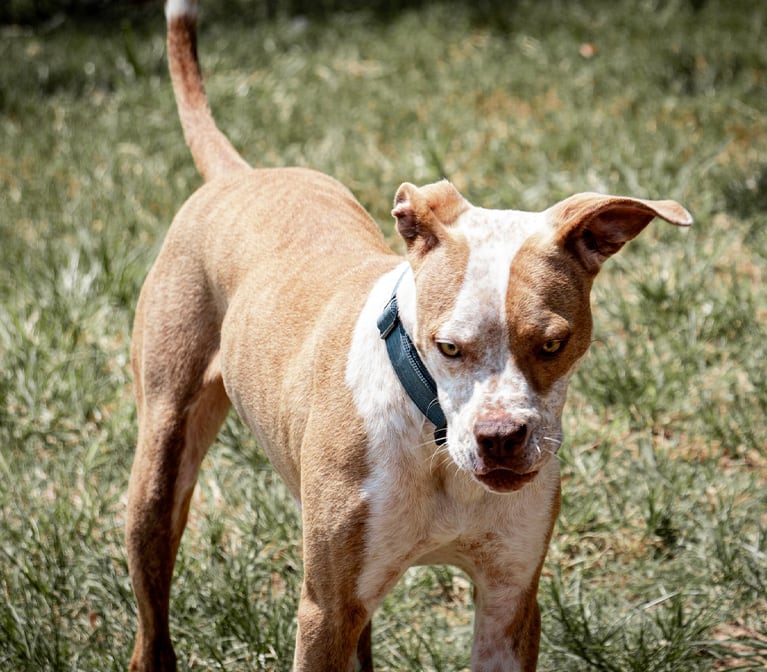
[409, 367]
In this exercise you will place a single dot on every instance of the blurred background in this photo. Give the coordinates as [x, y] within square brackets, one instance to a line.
[659, 557]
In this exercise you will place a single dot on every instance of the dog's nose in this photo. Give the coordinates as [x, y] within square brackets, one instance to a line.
[500, 442]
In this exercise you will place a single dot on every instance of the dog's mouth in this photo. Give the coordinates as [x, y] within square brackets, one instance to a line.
[505, 480]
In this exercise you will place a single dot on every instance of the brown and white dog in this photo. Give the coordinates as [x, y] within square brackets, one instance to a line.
[266, 295]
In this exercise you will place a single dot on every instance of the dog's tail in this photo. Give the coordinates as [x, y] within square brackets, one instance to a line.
[212, 152]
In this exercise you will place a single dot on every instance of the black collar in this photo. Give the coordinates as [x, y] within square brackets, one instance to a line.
[410, 370]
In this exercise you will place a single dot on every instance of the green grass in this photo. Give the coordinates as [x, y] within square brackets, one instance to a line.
[659, 560]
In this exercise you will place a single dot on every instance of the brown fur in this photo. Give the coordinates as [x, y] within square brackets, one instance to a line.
[218, 262]
[548, 299]
[253, 301]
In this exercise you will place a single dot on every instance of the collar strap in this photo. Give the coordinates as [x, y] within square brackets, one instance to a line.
[409, 367]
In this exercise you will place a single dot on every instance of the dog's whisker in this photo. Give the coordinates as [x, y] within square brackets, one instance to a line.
[438, 453]
[442, 455]
[443, 452]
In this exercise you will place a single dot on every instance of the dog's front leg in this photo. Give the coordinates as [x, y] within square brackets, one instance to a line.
[333, 623]
[507, 629]
[331, 637]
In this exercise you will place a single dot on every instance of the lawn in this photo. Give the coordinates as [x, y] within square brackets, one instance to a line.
[659, 558]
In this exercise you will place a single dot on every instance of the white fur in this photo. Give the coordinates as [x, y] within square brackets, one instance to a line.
[174, 8]
[395, 428]
[378, 394]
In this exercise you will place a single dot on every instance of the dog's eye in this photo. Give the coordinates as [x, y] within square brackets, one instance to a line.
[551, 347]
[449, 349]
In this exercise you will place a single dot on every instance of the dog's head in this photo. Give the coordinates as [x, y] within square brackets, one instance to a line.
[503, 314]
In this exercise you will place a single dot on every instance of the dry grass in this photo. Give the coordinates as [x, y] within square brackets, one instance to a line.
[658, 561]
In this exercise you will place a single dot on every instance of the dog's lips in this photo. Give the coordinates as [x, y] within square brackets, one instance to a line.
[505, 480]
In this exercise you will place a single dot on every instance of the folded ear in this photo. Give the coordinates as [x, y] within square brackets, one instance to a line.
[422, 213]
[594, 226]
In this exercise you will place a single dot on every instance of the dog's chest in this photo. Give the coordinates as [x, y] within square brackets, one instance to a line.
[433, 518]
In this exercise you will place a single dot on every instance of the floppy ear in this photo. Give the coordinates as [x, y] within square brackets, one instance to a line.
[594, 227]
[422, 214]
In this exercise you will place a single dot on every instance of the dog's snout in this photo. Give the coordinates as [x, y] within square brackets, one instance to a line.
[500, 442]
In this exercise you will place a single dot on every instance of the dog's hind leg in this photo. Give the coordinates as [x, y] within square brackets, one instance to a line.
[181, 405]
[364, 649]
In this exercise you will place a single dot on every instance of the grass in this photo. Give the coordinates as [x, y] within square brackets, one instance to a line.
[659, 560]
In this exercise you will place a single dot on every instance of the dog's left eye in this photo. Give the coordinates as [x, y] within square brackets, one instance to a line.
[551, 347]
[449, 349]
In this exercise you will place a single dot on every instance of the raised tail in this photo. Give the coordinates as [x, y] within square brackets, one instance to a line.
[212, 152]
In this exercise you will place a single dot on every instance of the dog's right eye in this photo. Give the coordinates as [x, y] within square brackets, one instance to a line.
[449, 349]
[551, 347]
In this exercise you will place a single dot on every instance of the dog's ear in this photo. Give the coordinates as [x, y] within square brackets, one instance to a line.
[593, 227]
[422, 213]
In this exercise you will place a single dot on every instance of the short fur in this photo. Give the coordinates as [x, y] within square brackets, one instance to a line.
[265, 297]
